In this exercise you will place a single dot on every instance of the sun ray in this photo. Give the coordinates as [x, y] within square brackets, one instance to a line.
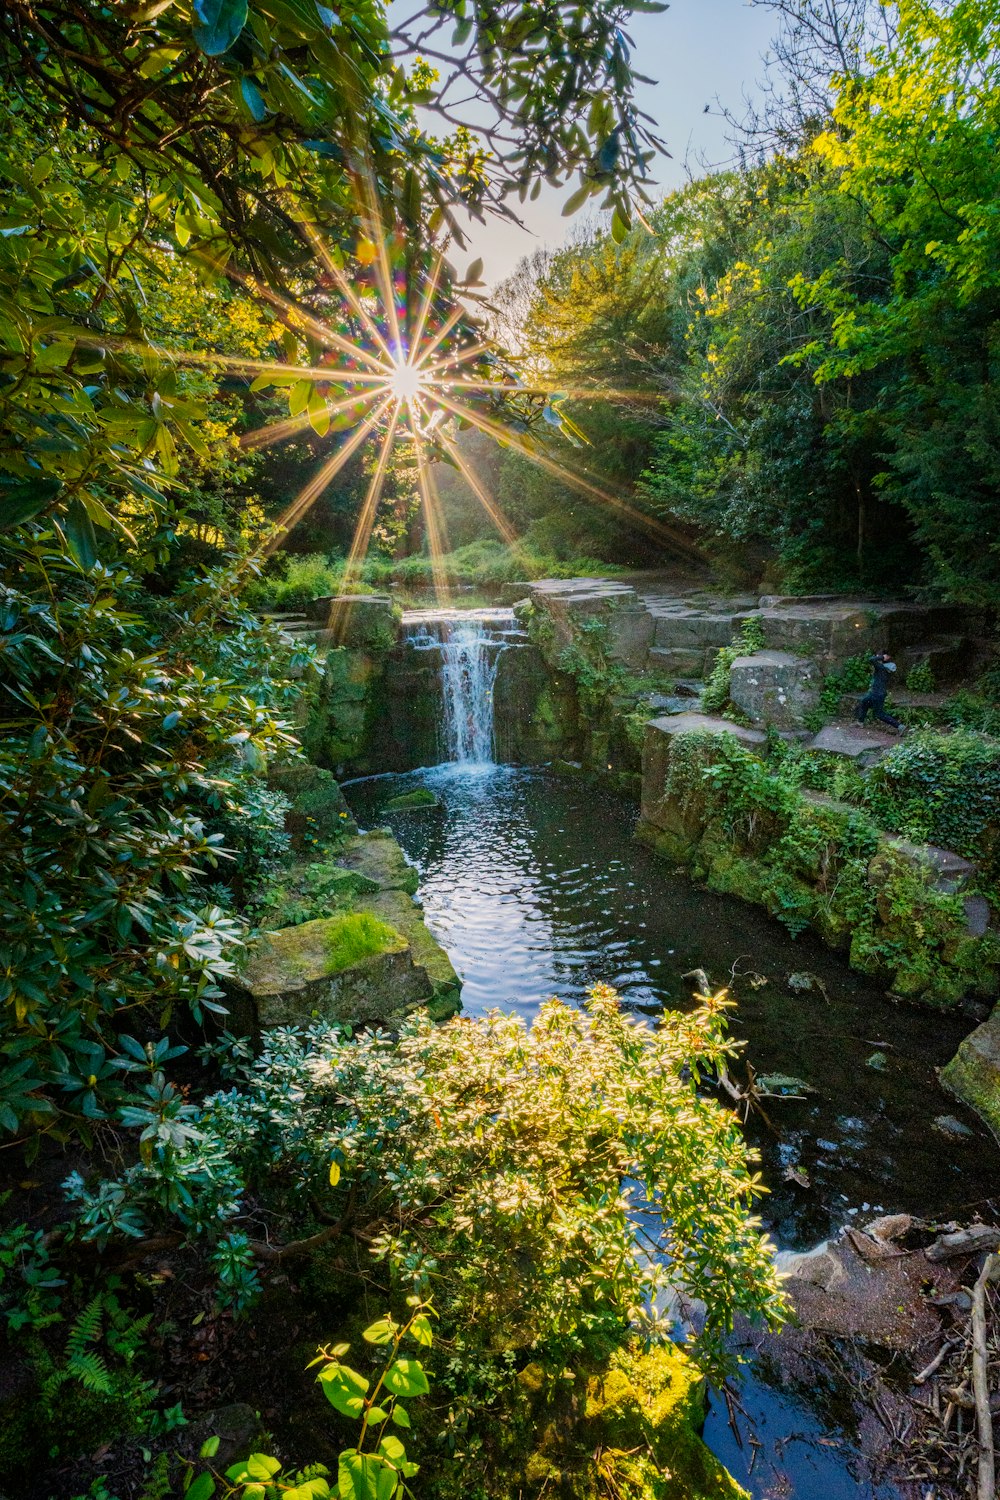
[576, 481]
[576, 393]
[325, 476]
[321, 331]
[350, 296]
[430, 292]
[459, 357]
[449, 323]
[233, 364]
[475, 484]
[340, 609]
[277, 432]
[383, 270]
[437, 540]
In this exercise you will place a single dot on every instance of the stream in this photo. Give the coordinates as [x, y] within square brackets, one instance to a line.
[535, 886]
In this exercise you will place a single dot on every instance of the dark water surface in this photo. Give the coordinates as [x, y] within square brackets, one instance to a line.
[535, 886]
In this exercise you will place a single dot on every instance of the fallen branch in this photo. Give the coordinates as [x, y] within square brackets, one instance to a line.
[938, 1360]
[971, 1241]
[980, 1385]
[312, 1242]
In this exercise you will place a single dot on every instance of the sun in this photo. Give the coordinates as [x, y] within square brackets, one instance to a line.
[406, 381]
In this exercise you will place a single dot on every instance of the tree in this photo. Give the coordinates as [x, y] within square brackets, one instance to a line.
[914, 144]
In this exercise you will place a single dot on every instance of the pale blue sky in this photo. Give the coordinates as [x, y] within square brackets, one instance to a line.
[697, 50]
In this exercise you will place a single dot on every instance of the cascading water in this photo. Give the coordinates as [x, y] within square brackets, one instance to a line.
[468, 671]
[468, 645]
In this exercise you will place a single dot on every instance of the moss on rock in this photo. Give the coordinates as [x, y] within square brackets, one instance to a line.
[630, 1428]
[973, 1075]
[411, 801]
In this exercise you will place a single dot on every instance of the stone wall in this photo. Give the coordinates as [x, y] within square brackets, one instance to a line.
[896, 908]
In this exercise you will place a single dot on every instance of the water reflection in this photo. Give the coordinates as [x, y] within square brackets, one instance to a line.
[534, 885]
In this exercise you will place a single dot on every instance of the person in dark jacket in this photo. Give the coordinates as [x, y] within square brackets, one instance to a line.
[883, 670]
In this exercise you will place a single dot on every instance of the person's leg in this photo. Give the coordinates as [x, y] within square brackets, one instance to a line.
[861, 712]
[886, 718]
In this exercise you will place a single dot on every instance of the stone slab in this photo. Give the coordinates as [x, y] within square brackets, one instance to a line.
[696, 723]
[951, 871]
[854, 742]
[681, 661]
[973, 1075]
[775, 687]
[367, 621]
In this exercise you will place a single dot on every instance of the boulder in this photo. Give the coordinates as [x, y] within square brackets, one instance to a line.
[368, 622]
[641, 1413]
[295, 975]
[369, 965]
[973, 1075]
[660, 814]
[774, 687]
[318, 809]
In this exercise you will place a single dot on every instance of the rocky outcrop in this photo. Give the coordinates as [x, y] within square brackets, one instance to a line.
[973, 1075]
[614, 606]
[366, 622]
[899, 908]
[774, 687]
[366, 957]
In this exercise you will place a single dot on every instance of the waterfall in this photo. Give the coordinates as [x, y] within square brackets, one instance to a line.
[468, 669]
[465, 646]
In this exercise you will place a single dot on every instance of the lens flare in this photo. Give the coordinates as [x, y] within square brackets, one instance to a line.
[406, 381]
[398, 358]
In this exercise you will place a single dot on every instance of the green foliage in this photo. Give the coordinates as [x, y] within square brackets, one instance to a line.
[715, 694]
[751, 833]
[377, 1466]
[355, 936]
[478, 564]
[943, 788]
[920, 678]
[852, 676]
[507, 1166]
[134, 733]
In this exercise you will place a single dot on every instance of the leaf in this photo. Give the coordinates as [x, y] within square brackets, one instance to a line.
[344, 1388]
[365, 1476]
[406, 1378]
[202, 1488]
[577, 200]
[80, 535]
[400, 1416]
[221, 22]
[421, 1330]
[473, 276]
[261, 1466]
[382, 1332]
[619, 226]
[334, 1173]
[19, 501]
[254, 100]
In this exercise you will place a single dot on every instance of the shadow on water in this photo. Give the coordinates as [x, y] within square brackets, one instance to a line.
[535, 886]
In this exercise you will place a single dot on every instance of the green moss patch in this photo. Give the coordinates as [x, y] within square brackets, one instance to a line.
[408, 800]
[358, 935]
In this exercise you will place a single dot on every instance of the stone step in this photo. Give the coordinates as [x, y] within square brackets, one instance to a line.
[681, 662]
[687, 629]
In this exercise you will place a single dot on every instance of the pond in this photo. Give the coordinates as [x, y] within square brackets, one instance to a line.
[534, 884]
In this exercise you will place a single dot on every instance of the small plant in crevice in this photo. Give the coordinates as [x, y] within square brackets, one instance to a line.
[748, 639]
